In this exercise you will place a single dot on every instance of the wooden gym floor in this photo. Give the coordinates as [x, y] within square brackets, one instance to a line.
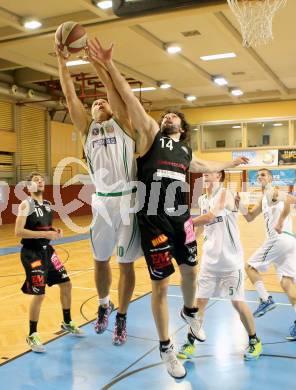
[78, 260]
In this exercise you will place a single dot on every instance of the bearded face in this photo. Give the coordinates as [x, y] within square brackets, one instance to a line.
[170, 128]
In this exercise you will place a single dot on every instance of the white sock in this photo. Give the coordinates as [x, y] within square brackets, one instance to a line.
[261, 290]
[104, 301]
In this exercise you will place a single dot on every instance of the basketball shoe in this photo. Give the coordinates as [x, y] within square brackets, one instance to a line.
[72, 328]
[253, 350]
[119, 335]
[102, 321]
[35, 343]
[173, 366]
[264, 307]
[292, 335]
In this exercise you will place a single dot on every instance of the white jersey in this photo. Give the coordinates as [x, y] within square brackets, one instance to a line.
[222, 249]
[271, 215]
[110, 157]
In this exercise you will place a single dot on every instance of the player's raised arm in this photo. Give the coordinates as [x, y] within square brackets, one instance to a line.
[77, 112]
[145, 125]
[204, 166]
[118, 106]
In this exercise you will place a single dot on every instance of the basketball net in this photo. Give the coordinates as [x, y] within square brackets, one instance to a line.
[255, 19]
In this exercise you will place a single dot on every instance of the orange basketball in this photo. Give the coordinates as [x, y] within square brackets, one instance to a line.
[70, 37]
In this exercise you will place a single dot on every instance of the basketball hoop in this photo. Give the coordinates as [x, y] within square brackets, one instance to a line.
[255, 19]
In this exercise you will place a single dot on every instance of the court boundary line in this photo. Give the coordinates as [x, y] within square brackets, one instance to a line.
[62, 335]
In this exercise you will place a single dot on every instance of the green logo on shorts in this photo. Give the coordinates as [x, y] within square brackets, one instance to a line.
[120, 251]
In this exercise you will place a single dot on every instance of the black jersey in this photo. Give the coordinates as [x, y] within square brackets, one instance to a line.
[163, 170]
[39, 219]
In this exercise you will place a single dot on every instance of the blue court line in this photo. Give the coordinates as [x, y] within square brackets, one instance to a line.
[93, 363]
[65, 240]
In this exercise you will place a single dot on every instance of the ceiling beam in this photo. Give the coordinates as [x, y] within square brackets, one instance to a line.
[253, 54]
[28, 62]
[11, 19]
[146, 79]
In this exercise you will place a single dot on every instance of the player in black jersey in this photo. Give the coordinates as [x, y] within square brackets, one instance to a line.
[165, 222]
[40, 261]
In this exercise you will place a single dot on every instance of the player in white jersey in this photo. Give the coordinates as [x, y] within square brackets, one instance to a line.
[109, 150]
[222, 265]
[278, 249]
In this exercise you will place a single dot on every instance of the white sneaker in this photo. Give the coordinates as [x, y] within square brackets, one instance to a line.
[201, 336]
[35, 343]
[174, 367]
[194, 323]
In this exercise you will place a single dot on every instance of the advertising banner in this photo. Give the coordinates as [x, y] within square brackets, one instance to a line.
[258, 158]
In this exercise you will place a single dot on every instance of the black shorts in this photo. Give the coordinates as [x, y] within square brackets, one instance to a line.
[42, 267]
[165, 237]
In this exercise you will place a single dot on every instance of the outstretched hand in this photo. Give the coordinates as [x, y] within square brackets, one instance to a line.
[240, 160]
[62, 58]
[96, 53]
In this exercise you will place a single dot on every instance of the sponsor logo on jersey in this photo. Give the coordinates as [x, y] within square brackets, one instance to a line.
[56, 262]
[159, 240]
[96, 131]
[38, 280]
[104, 142]
[189, 231]
[191, 259]
[109, 128]
[36, 264]
[161, 260]
[215, 220]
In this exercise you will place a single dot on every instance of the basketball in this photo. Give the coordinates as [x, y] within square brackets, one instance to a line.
[70, 37]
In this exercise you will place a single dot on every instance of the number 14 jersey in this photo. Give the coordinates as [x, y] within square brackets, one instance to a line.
[163, 171]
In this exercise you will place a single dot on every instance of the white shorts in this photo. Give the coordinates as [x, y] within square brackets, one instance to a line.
[280, 251]
[228, 285]
[113, 228]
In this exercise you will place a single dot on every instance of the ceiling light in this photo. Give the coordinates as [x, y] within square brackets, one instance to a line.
[236, 127]
[190, 98]
[219, 80]
[32, 24]
[76, 62]
[277, 124]
[164, 85]
[236, 92]
[172, 48]
[106, 4]
[217, 56]
[143, 89]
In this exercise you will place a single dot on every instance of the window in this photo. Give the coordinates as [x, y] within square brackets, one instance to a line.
[222, 136]
[275, 133]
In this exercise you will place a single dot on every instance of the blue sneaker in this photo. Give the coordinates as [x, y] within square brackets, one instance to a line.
[292, 335]
[264, 307]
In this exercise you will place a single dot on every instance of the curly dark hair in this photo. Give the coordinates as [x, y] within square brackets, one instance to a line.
[184, 124]
[222, 178]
